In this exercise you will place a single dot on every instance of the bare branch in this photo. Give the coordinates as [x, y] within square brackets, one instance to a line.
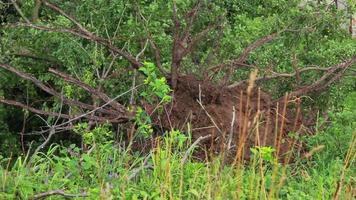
[182, 46]
[333, 74]
[156, 50]
[157, 57]
[57, 192]
[51, 133]
[191, 148]
[279, 75]
[34, 57]
[34, 110]
[121, 118]
[53, 114]
[175, 20]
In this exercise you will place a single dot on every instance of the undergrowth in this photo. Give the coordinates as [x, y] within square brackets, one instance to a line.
[113, 171]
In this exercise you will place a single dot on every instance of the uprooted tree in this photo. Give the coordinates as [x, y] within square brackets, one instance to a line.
[83, 55]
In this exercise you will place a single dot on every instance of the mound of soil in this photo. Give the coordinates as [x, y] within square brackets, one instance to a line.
[232, 117]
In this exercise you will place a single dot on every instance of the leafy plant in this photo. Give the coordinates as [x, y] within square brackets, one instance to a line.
[266, 153]
[157, 87]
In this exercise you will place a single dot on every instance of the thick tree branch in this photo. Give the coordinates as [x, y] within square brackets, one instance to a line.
[51, 91]
[183, 41]
[190, 18]
[197, 38]
[36, 11]
[333, 74]
[120, 108]
[34, 110]
[243, 57]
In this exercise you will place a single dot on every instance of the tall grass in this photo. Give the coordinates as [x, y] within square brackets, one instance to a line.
[110, 172]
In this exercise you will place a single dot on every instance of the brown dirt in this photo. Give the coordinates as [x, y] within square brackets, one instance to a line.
[262, 118]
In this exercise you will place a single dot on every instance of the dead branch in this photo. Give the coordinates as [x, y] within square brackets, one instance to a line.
[91, 36]
[18, 9]
[157, 56]
[190, 18]
[332, 74]
[74, 21]
[34, 57]
[230, 63]
[279, 75]
[53, 114]
[191, 148]
[51, 133]
[197, 38]
[57, 192]
[120, 118]
[34, 110]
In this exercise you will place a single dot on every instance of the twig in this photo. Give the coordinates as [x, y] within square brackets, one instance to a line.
[231, 128]
[206, 112]
[190, 149]
[107, 103]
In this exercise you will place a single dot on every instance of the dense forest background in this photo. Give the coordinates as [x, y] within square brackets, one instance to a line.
[154, 99]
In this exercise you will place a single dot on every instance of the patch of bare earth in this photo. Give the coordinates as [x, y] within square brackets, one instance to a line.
[235, 120]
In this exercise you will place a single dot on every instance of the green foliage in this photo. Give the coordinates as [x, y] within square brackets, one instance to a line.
[157, 90]
[143, 122]
[157, 86]
[100, 135]
[266, 153]
[337, 136]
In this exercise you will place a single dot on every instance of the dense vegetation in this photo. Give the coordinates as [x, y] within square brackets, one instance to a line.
[108, 99]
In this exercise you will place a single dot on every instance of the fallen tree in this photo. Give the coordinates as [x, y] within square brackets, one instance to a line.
[216, 103]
